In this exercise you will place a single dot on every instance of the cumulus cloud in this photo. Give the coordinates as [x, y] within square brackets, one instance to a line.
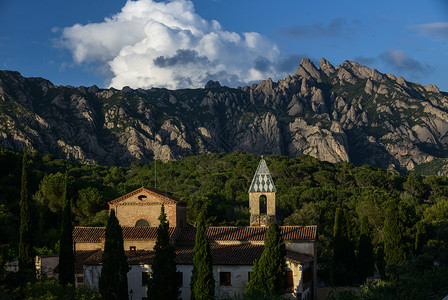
[166, 44]
[401, 61]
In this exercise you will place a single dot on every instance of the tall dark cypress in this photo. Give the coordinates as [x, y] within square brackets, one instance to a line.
[269, 271]
[344, 261]
[163, 283]
[66, 255]
[365, 250]
[393, 235]
[113, 282]
[202, 283]
[26, 261]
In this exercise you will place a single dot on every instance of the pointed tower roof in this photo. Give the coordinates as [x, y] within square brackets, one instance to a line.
[262, 181]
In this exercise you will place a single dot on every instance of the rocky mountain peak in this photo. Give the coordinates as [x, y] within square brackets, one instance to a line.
[326, 66]
[346, 112]
[308, 70]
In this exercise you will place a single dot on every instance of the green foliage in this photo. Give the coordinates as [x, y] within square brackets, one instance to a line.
[308, 192]
[393, 235]
[66, 254]
[113, 282]
[268, 274]
[90, 201]
[49, 290]
[26, 261]
[163, 282]
[202, 283]
[343, 263]
[365, 257]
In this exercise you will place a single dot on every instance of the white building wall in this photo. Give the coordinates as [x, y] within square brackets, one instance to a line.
[239, 279]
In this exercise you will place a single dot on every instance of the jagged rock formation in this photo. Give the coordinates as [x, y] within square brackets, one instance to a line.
[335, 113]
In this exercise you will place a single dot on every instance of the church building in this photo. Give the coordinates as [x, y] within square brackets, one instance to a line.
[233, 249]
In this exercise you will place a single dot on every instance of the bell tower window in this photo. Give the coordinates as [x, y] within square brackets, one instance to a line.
[263, 205]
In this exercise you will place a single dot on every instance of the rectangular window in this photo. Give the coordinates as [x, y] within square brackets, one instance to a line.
[80, 279]
[180, 278]
[145, 278]
[225, 278]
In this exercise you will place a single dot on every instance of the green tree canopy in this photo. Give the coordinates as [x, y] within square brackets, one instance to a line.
[268, 274]
[393, 235]
[202, 283]
[26, 261]
[66, 255]
[113, 282]
[163, 282]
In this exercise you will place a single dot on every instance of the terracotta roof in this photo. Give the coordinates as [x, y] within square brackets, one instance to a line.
[81, 256]
[262, 181]
[164, 196]
[88, 234]
[290, 233]
[97, 234]
[244, 254]
[298, 257]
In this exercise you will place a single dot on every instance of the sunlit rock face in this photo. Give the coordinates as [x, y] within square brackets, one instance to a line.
[335, 113]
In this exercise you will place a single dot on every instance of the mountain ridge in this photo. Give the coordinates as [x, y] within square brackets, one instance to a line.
[347, 112]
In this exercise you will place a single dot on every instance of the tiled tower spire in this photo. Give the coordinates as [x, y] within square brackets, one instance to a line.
[262, 196]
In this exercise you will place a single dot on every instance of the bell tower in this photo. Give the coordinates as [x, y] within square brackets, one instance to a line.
[262, 197]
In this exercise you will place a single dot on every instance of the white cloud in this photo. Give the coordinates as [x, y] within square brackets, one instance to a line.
[166, 44]
[438, 31]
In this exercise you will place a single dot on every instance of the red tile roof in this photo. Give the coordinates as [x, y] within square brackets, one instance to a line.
[81, 256]
[164, 196]
[290, 233]
[97, 234]
[244, 254]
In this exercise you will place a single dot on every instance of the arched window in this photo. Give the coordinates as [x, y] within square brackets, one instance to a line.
[263, 205]
[142, 223]
[142, 197]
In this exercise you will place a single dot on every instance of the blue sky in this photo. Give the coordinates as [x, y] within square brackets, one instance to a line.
[180, 43]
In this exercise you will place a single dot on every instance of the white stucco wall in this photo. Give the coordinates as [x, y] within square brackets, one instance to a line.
[239, 279]
[304, 248]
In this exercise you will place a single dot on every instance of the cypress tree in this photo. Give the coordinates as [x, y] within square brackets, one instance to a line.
[66, 255]
[393, 235]
[163, 283]
[113, 282]
[26, 261]
[269, 271]
[344, 261]
[202, 283]
[365, 250]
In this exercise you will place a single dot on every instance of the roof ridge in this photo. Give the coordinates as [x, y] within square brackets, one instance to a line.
[149, 190]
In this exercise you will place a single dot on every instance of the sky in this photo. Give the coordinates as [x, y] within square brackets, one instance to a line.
[183, 44]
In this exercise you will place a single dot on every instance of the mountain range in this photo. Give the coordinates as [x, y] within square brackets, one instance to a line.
[347, 112]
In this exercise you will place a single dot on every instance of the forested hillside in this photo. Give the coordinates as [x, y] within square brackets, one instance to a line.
[405, 214]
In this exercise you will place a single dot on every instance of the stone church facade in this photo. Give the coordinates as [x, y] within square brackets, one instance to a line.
[233, 249]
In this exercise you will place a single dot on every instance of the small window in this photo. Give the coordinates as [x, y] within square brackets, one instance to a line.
[142, 223]
[180, 279]
[142, 197]
[80, 279]
[263, 205]
[133, 248]
[225, 278]
[145, 278]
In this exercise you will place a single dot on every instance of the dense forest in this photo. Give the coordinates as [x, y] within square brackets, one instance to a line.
[364, 215]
